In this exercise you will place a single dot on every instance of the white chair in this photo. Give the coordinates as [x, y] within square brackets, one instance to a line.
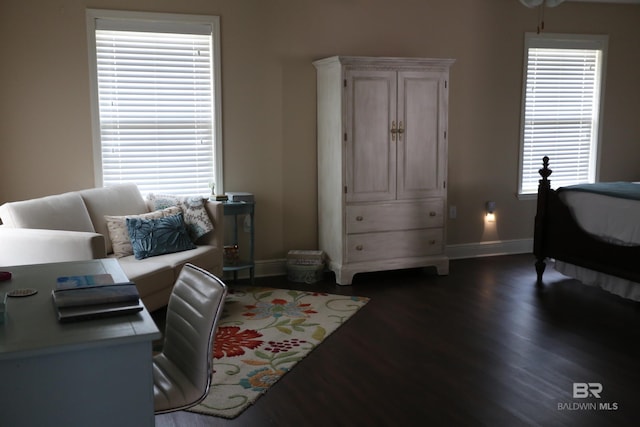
[182, 371]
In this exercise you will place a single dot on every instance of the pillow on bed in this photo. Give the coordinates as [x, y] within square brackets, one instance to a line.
[151, 237]
[119, 234]
[195, 214]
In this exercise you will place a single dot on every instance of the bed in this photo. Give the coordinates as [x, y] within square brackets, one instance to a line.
[591, 231]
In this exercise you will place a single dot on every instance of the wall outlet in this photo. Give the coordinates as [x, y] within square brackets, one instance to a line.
[453, 212]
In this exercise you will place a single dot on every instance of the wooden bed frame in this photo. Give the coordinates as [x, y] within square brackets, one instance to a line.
[558, 236]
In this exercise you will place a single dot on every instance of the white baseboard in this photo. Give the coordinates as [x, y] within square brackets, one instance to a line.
[278, 267]
[482, 249]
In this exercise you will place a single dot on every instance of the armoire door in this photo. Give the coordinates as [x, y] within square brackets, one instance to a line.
[421, 143]
[370, 160]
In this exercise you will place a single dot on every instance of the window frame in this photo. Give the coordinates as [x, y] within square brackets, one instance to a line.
[563, 41]
[147, 21]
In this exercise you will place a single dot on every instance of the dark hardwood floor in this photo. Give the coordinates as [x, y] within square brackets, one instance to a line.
[479, 347]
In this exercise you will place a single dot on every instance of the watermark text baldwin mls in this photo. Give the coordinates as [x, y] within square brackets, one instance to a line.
[586, 391]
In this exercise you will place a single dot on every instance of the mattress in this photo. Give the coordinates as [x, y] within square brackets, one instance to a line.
[612, 219]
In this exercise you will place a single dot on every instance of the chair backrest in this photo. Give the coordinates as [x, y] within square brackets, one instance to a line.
[195, 305]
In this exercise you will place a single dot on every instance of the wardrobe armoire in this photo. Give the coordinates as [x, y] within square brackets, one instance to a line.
[382, 163]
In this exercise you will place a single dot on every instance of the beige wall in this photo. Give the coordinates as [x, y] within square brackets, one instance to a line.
[269, 97]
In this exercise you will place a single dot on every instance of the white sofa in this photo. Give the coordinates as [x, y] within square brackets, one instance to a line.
[72, 227]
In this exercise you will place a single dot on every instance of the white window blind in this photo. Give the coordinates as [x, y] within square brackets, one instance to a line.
[156, 105]
[561, 111]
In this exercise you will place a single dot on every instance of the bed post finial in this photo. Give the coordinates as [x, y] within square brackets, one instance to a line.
[545, 172]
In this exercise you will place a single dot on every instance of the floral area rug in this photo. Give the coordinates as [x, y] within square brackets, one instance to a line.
[261, 335]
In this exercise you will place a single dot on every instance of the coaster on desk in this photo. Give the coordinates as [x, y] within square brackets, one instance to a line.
[25, 292]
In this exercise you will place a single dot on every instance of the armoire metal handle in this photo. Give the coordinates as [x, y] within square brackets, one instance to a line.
[394, 130]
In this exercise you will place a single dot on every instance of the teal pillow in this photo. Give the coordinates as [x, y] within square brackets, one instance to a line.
[157, 236]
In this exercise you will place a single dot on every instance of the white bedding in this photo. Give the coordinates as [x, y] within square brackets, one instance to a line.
[612, 219]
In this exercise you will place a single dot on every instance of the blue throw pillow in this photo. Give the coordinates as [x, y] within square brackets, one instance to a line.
[151, 237]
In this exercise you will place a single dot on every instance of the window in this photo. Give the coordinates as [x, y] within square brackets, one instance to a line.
[155, 87]
[562, 95]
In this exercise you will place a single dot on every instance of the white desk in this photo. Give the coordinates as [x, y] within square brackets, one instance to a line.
[88, 373]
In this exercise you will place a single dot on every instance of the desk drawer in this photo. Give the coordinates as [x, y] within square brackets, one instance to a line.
[394, 244]
[395, 216]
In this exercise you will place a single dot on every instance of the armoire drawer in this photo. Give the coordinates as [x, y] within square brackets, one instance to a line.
[394, 244]
[395, 216]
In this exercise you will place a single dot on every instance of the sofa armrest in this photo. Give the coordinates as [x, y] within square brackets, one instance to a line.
[21, 246]
[216, 214]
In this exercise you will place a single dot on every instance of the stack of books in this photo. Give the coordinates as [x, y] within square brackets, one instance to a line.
[94, 296]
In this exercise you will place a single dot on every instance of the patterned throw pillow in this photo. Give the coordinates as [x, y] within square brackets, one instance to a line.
[119, 234]
[151, 237]
[195, 214]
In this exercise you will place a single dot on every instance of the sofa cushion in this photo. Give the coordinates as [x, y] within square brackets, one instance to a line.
[195, 215]
[150, 275]
[119, 234]
[59, 212]
[203, 256]
[152, 237]
[154, 277]
[121, 199]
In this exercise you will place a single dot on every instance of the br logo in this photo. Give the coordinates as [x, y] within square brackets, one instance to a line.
[584, 390]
